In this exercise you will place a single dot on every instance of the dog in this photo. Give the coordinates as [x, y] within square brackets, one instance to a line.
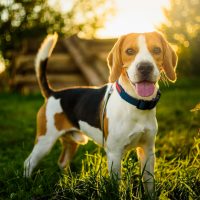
[119, 115]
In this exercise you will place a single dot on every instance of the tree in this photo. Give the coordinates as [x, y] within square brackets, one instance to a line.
[20, 19]
[183, 29]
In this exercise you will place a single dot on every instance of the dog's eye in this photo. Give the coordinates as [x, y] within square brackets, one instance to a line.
[130, 51]
[156, 50]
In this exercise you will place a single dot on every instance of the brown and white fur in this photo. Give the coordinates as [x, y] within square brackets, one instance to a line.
[74, 114]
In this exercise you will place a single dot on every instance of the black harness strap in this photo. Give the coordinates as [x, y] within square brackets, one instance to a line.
[105, 101]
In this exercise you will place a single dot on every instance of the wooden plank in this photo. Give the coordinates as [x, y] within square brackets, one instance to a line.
[99, 45]
[101, 67]
[58, 63]
[97, 63]
[31, 79]
[83, 47]
[71, 57]
[90, 74]
[29, 88]
[31, 45]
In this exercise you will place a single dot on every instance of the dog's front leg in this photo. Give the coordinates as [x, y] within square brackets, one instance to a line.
[146, 156]
[114, 163]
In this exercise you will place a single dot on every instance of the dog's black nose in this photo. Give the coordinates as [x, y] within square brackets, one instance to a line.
[145, 68]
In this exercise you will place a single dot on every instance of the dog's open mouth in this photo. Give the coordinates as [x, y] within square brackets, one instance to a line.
[145, 88]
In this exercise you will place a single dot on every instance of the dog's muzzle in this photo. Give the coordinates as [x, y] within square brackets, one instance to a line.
[145, 70]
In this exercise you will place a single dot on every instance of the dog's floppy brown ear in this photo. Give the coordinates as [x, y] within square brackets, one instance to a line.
[114, 61]
[169, 60]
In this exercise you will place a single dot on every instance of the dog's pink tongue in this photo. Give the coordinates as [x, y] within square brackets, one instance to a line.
[145, 89]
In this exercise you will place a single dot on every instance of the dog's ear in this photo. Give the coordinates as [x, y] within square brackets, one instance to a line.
[114, 60]
[169, 60]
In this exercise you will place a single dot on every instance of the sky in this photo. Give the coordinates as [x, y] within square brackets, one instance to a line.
[131, 16]
[134, 16]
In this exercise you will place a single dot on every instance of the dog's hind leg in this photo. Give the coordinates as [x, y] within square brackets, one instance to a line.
[69, 148]
[45, 139]
[41, 148]
[70, 143]
[41, 131]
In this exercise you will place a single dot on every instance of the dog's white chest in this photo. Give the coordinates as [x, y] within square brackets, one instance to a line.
[129, 126]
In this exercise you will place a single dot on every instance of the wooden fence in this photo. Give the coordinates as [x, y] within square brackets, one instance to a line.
[74, 62]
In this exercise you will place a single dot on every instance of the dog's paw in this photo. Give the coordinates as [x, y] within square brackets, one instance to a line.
[27, 168]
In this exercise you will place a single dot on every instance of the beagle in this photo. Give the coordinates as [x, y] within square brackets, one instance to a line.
[119, 115]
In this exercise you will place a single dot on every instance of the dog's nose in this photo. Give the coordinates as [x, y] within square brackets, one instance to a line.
[145, 68]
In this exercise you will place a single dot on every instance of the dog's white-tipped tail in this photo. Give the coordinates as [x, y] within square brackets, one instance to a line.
[41, 63]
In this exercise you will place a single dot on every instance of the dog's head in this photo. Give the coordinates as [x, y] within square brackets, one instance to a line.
[142, 57]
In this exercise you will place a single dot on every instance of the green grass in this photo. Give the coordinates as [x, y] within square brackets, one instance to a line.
[177, 150]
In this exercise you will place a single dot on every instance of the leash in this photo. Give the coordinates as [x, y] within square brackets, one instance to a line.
[105, 102]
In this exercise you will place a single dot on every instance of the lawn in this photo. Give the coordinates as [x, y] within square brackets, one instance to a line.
[177, 151]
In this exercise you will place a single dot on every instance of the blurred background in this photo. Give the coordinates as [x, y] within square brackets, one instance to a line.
[88, 30]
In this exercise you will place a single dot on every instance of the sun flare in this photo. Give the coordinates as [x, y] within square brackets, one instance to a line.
[134, 16]
[130, 16]
[2, 66]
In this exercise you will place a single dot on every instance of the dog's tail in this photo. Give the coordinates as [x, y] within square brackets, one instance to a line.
[41, 63]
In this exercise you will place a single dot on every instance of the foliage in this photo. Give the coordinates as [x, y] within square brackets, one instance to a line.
[196, 108]
[20, 19]
[183, 29]
[177, 150]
